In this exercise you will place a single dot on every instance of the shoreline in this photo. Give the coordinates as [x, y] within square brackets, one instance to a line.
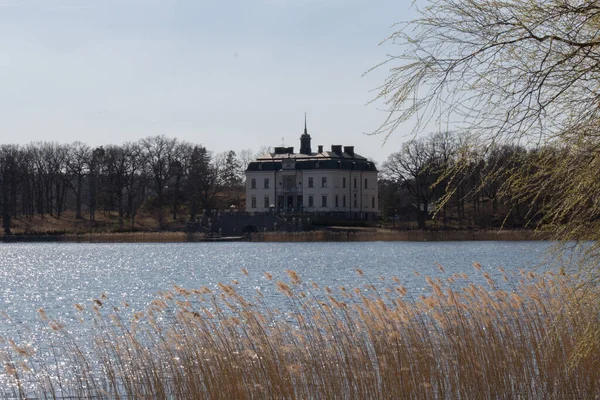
[333, 234]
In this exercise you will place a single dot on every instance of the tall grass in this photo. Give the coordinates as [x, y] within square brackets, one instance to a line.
[368, 234]
[455, 340]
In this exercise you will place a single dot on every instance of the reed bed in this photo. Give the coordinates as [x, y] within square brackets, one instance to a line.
[455, 340]
[110, 237]
[378, 234]
[136, 237]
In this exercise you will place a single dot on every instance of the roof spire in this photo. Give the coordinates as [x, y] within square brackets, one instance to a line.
[305, 140]
[305, 131]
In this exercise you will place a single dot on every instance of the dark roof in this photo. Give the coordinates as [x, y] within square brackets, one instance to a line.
[340, 157]
[314, 156]
[320, 161]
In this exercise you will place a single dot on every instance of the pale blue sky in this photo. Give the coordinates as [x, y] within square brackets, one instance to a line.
[227, 74]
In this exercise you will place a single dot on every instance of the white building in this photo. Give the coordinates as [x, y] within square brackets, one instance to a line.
[337, 183]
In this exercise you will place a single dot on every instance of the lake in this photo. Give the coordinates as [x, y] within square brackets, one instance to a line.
[55, 276]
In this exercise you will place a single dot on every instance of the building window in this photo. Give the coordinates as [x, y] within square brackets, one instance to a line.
[253, 203]
[373, 202]
[344, 182]
[343, 201]
[267, 202]
[266, 183]
[289, 182]
[366, 186]
[310, 182]
[355, 202]
[324, 181]
[253, 184]
[311, 202]
[354, 183]
[336, 201]
[323, 201]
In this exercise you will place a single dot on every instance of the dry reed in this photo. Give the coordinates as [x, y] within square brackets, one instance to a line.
[370, 235]
[458, 341]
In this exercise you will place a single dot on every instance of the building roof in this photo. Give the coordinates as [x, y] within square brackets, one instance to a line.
[323, 160]
[339, 157]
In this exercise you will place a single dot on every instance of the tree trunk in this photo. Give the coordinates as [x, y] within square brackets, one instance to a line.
[6, 214]
[59, 197]
[120, 207]
[174, 205]
[423, 216]
[48, 189]
[78, 197]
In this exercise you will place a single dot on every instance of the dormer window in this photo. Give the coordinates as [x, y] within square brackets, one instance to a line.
[289, 164]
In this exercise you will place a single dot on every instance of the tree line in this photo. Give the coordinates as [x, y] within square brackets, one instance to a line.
[459, 182]
[47, 178]
[446, 177]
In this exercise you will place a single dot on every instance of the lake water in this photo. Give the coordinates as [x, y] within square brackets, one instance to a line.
[56, 276]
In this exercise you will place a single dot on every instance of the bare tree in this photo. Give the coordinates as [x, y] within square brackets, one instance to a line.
[27, 182]
[245, 156]
[95, 168]
[50, 167]
[159, 152]
[77, 158]
[38, 177]
[513, 68]
[519, 72]
[116, 159]
[500, 163]
[135, 178]
[414, 168]
[9, 173]
[444, 148]
[58, 159]
[179, 166]
[263, 150]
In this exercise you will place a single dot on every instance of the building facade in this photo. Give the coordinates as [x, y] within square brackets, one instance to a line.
[336, 182]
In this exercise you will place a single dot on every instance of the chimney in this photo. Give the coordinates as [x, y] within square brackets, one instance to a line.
[320, 148]
[349, 150]
[337, 149]
[279, 150]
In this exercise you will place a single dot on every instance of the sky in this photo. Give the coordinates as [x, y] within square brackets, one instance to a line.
[227, 74]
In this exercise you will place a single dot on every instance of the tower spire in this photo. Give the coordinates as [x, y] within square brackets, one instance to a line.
[305, 140]
[305, 131]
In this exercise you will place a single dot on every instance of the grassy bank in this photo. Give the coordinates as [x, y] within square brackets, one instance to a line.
[453, 340]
